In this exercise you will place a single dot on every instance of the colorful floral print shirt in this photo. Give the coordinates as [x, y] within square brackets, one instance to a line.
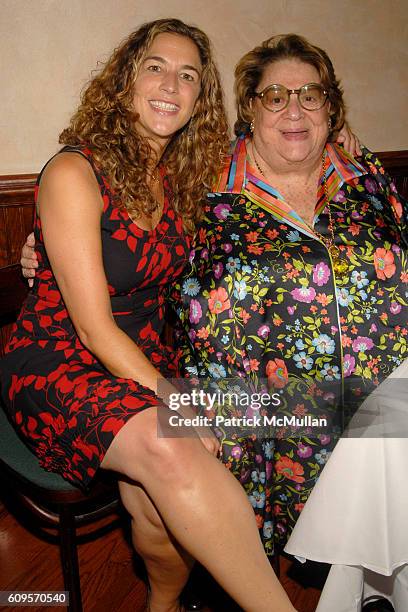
[261, 301]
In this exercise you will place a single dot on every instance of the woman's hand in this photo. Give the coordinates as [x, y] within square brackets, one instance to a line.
[28, 259]
[349, 141]
[167, 392]
[209, 440]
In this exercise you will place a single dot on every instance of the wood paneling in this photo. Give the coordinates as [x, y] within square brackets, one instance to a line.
[396, 164]
[16, 221]
[16, 215]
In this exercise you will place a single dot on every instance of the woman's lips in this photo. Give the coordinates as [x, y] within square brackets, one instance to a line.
[295, 134]
[164, 108]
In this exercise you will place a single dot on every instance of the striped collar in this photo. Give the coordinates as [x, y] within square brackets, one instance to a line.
[343, 168]
[340, 168]
[238, 176]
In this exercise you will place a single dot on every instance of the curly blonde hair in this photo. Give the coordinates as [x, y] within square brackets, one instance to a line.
[250, 68]
[105, 119]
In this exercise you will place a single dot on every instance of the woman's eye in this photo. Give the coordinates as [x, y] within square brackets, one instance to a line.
[154, 68]
[275, 100]
[186, 76]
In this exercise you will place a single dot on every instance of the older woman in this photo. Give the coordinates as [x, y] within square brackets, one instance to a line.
[298, 274]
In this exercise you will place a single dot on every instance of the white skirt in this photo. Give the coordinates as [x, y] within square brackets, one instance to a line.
[357, 514]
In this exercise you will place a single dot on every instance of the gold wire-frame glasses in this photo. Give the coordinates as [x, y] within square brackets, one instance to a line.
[275, 98]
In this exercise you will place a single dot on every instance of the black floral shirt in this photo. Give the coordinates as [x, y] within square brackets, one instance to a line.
[262, 301]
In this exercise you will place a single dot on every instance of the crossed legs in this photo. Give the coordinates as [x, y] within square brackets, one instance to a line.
[202, 506]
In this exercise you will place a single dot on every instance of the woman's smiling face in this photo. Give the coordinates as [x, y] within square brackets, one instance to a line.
[166, 88]
[292, 135]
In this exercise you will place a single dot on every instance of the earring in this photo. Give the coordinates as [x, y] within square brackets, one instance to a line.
[251, 126]
[329, 123]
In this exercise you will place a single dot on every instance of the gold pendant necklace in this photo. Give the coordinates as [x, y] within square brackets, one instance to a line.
[339, 263]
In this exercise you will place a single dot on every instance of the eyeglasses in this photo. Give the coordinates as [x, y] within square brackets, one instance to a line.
[276, 97]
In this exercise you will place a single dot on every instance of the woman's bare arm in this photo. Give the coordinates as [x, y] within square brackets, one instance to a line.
[70, 209]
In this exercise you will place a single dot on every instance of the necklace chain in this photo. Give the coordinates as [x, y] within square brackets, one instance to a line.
[255, 160]
[339, 264]
[154, 177]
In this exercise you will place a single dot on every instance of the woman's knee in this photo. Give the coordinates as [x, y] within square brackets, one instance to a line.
[140, 507]
[140, 453]
[150, 537]
[172, 459]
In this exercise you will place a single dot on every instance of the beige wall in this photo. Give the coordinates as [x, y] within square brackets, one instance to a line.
[49, 47]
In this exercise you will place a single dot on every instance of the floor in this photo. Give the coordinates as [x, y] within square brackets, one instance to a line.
[110, 576]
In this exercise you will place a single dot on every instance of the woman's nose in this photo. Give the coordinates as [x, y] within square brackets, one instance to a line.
[170, 82]
[293, 109]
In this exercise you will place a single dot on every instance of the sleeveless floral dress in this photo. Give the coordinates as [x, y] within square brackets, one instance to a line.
[62, 400]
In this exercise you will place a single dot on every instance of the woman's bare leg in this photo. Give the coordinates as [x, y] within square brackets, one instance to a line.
[167, 566]
[202, 506]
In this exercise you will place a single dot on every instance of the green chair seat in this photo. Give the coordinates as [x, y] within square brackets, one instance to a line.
[15, 454]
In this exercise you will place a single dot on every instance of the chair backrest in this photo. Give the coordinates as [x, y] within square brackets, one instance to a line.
[16, 221]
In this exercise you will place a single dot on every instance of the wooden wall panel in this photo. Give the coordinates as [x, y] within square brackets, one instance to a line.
[4, 238]
[16, 215]
[16, 221]
[396, 164]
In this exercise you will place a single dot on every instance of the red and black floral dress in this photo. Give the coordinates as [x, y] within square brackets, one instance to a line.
[62, 400]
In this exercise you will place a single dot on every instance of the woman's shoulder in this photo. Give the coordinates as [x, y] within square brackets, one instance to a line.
[367, 166]
[371, 162]
[385, 187]
[67, 159]
[68, 166]
[67, 180]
